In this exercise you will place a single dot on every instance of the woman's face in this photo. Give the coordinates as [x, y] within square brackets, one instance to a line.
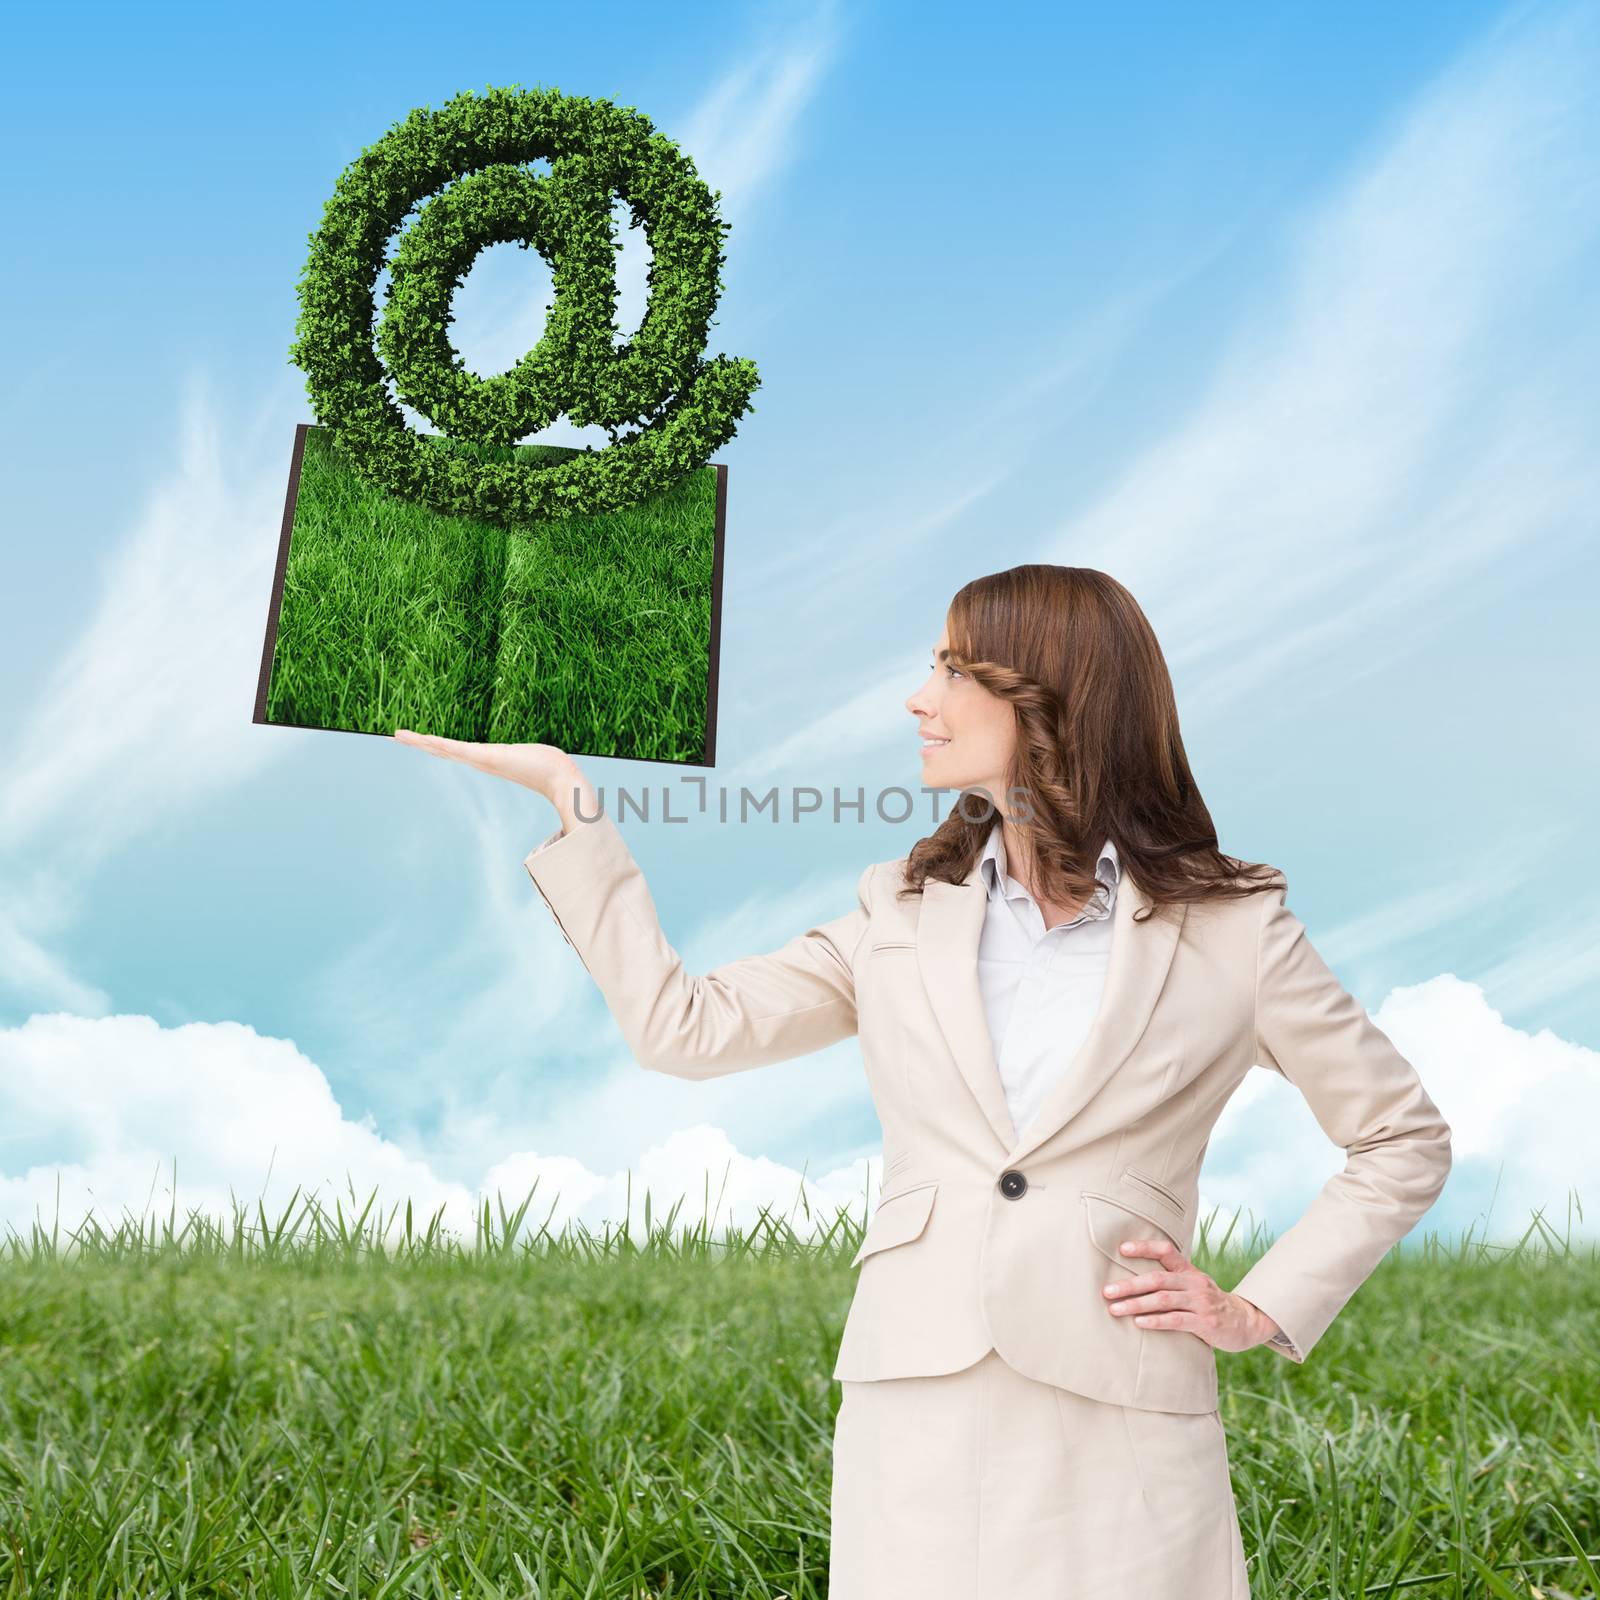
[978, 730]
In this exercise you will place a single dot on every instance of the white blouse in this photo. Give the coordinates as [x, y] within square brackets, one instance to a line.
[1041, 986]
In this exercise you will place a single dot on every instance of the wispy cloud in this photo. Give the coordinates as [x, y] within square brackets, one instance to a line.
[146, 716]
[914, 513]
[740, 135]
[1430, 914]
[1404, 413]
[149, 707]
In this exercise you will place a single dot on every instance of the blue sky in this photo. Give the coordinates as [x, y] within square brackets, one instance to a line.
[1286, 320]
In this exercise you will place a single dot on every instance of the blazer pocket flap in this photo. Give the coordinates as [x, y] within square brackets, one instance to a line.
[899, 1219]
[1155, 1189]
[1112, 1221]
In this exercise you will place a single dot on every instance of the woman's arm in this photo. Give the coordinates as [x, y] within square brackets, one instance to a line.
[746, 1013]
[1367, 1098]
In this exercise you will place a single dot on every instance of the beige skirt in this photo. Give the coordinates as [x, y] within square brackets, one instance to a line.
[986, 1485]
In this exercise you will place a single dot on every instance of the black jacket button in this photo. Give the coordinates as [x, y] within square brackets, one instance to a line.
[1013, 1185]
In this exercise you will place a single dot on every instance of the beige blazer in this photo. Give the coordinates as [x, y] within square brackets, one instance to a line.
[983, 1237]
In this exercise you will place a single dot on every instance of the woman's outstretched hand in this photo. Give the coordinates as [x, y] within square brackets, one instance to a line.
[1177, 1294]
[544, 768]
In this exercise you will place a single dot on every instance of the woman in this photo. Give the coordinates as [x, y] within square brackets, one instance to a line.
[1055, 992]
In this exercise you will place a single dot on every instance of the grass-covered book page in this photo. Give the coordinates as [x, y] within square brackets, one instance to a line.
[594, 633]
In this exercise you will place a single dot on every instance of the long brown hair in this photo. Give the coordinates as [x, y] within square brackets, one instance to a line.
[1098, 752]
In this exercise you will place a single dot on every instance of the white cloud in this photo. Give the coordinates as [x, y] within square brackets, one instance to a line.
[119, 1099]
[122, 1098]
[1521, 1107]
[698, 1170]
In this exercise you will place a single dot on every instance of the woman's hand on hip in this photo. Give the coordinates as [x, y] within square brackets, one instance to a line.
[1177, 1294]
[544, 768]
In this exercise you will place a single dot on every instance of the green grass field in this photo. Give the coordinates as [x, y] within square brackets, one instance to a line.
[292, 1407]
[591, 633]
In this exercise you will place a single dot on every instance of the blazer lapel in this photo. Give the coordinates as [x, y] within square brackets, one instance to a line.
[949, 926]
[1141, 954]
[948, 931]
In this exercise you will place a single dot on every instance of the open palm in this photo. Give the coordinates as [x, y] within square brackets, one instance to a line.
[544, 768]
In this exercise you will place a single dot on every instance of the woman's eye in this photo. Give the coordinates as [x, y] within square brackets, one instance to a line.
[952, 671]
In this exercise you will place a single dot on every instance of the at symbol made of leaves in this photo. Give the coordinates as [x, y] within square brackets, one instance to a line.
[470, 157]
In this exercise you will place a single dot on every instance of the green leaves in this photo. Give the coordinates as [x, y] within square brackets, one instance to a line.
[470, 158]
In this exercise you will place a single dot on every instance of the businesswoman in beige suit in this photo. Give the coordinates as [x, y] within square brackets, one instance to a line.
[1055, 993]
